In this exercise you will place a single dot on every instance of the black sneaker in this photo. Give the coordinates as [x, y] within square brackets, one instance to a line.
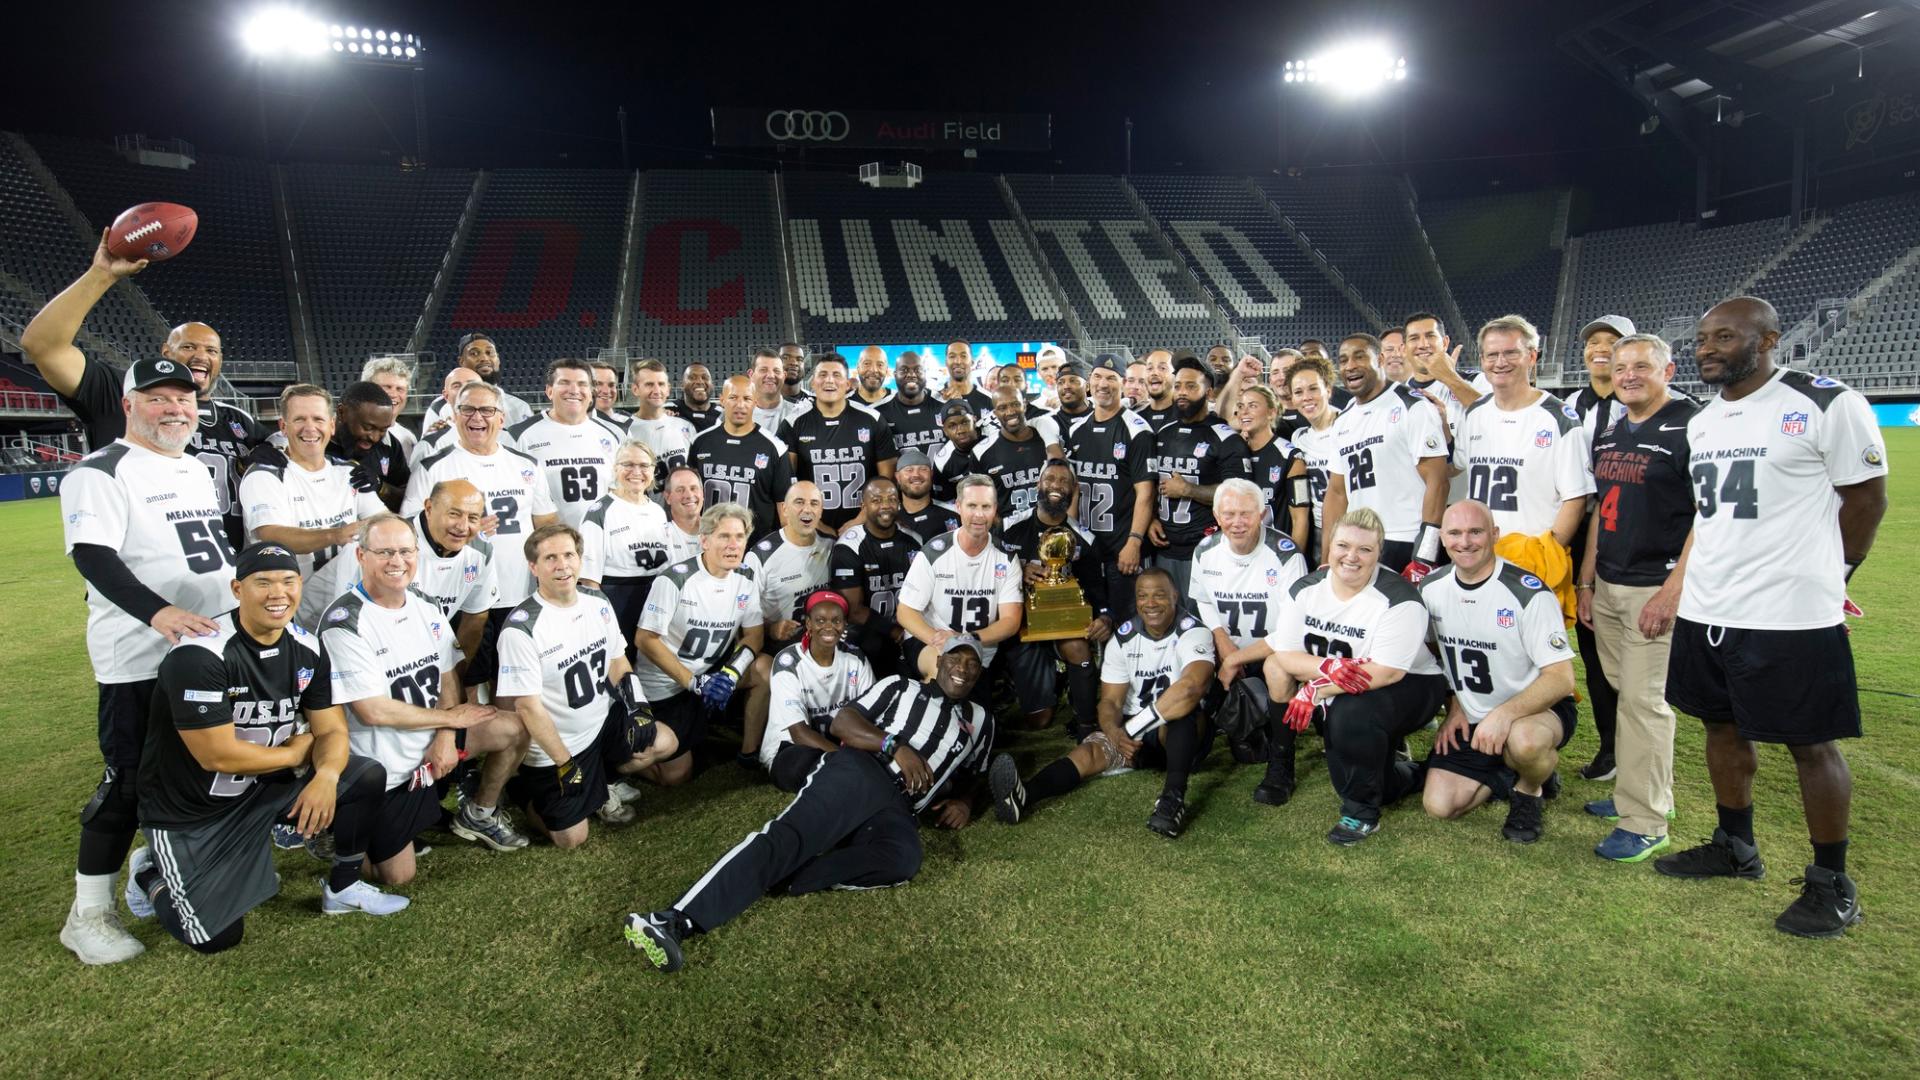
[657, 935]
[1828, 904]
[1550, 788]
[1524, 813]
[1602, 767]
[1277, 787]
[1009, 794]
[1722, 856]
[1169, 815]
[1349, 831]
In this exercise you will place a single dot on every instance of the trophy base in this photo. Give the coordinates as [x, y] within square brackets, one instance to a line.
[1056, 613]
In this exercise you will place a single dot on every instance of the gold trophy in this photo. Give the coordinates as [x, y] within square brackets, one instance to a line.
[1056, 608]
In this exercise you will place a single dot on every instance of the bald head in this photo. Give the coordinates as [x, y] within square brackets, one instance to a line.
[1734, 339]
[1468, 533]
[1749, 310]
[453, 513]
[800, 509]
[196, 345]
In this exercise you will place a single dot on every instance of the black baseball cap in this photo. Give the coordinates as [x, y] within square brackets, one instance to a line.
[256, 558]
[157, 371]
[957, 407]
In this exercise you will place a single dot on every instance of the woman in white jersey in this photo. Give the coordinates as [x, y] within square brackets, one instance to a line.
[1310, 380]
[624, 538]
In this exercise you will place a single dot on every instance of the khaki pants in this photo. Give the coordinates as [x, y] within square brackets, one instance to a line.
[1636, 666]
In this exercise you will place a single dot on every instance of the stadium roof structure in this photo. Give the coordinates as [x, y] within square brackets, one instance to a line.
[1695, 64]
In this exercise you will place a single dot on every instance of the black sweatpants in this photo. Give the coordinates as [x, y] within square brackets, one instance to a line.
[1601, 695]
[1361, 731]
[850, 827]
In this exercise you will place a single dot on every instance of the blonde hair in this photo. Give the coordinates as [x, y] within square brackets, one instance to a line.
[1517, 324]
[1364, 519]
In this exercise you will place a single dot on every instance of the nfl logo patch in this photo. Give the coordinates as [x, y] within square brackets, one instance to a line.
[383, 465]
[759, 461]
[863, 434]
[741, 601]
[1119, 451]
[1273, 577]
[470, 575]
[1504, 617]
[1273, 475]
[303, 677]
[1200, 449]
[1393, 415]
[1543, 438]
[1793, 423]
[434, 627]
[526, 475]
[239, 429]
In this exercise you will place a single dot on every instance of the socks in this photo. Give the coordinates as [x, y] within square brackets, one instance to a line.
[484, 813]
[1181, 742]
[1831, 856]
[346, 871]
[1736, 823]
[1083, 693]
[1057, 778]
[92, 891]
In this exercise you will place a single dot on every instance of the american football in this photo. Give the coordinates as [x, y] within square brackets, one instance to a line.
[155, 231]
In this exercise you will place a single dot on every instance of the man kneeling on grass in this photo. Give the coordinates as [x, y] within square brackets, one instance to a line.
[1157, 668]
[906, 747]
[1503, 643]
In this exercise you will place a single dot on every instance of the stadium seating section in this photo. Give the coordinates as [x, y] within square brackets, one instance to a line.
[713, 269]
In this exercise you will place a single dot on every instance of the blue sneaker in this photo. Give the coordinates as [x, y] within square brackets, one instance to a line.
[288, 838]
[1629, 847]
[1604, 808]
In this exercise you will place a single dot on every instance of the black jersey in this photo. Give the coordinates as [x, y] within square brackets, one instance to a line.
[1266, 467]
[933, 519]
[1287, 423]
[748, 469]
[982, 403]
[1019, 536]
[96, 404]
[1194, 451]
[388, 456]
[1110, 457]
[1646, 499]
[876, 566]
[950, 465]
[839, 454]
[701, 419]
[914, 427]
[1015, 467]
[1158, 418]
[224, 678]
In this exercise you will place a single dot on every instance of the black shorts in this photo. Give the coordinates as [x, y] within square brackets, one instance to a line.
[875, 639]
[628, 595]
[1153, 751]
[122, 716]
[1490, 770]
[1396, 554]
[402, 815]
[220, 868]
[1779, 686]
[484, 664]
[1034, 668]
[1119, 590]
[558, 809]
[686, 717]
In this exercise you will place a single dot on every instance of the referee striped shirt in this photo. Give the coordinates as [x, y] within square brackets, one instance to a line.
[952, 737]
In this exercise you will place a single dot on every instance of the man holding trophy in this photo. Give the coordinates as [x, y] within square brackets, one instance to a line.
[1067, 607]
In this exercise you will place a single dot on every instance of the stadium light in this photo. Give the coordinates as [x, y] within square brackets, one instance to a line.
[277, 33]
[1349, 70]
[283, 32]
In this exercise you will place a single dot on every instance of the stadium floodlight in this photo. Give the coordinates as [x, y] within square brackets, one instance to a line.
[278, 32]
[1354, 69]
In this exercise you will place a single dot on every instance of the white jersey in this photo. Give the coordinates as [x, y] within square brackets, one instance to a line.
[1316, 452]
[769, 420]
[698, 616]
[1766, 539]
[787, 572]
[1377, 450]
[453, 582]
[560, 655]
[1146, 666]
[512, 490]
[1524, 463]
[1494, 638]
[1244, 595]
[1383, 622]
[516, 410]
[381, 652]
[963, 593]
[429, 444]
[301, 498]
[802, 692]
[670, 438]
[621, 539]
[161, 515]
[681, 546]
[575, 459]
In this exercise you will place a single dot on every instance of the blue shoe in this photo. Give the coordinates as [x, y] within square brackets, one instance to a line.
[1629, 847]
[288, 838]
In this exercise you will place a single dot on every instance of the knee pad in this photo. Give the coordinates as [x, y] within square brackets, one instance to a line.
[114, 806]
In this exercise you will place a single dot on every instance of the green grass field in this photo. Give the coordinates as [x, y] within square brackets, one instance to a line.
[1075, 944]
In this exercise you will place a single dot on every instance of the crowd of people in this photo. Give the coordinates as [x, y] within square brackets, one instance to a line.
[317, 634]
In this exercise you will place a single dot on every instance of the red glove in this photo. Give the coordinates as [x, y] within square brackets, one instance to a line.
[422, 776]
[1300, 709]
[1347, 674]
[1851, 610]
[1415, 571]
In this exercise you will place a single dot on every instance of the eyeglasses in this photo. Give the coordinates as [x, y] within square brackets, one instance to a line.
[487, 411]
[383, 554]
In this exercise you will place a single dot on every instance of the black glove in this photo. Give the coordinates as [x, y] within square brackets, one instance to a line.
[573, 780]
[267, 454]
[366, 472]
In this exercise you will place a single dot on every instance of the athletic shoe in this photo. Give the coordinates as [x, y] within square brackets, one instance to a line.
[615, 812]
[657, 935]
[359, 896]
[495, 830]
[1169, 817]
[1277, 786]
[137, 902]
[1722, 856]
[320, 846]
[421, 850]
[1350, 831]
[746, 760]
[97, 936]
[288, 838]
[624, 791]
[1630, 847]
[1009, 794]
[1550, 788]
[1524, 814]
[1828, 904]
[1605, 808]
[1601, 768]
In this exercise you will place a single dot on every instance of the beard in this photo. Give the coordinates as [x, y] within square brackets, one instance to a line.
[1737, 368]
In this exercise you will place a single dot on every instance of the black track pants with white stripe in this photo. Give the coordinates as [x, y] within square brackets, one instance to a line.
[850, 827]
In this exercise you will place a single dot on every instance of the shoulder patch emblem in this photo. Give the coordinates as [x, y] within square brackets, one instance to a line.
[518, 616]
[1532, 582]
[1872, 456]
[338, 614]
[1569, 412]
[1824, 382]
[1558, 640]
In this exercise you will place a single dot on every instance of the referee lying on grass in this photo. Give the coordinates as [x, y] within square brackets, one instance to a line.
[905, 747]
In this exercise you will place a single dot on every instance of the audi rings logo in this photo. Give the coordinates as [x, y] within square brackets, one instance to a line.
[799, 125]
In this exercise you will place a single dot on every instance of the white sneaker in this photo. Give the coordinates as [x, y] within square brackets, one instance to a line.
[616, 812]
[623, 791]
[359, 896]
[97, 937]
[136, 897]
